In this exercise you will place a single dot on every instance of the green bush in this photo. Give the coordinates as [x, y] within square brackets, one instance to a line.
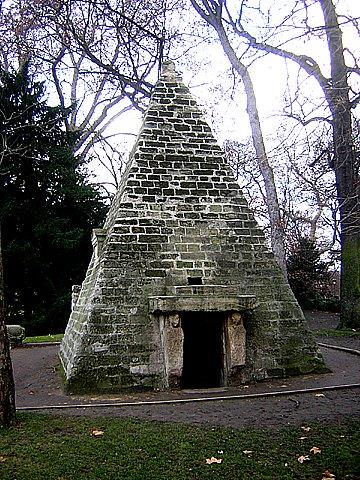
[309, 277]
[48, 207]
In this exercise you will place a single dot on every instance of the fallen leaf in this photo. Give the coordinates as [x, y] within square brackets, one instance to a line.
[319, 395]
[327, 474]
[211, 460]
[315, 450]
[303, 458]
[97, 433]
[305, 429]
[2, 459]
[247, 452]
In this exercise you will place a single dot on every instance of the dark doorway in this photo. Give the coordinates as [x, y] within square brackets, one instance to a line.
[203, 362]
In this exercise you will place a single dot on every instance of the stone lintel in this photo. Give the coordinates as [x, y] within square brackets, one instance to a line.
[210, 290]
[194, 303]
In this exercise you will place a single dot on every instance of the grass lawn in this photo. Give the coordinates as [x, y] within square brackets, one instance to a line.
[44, 447]
[45, 338]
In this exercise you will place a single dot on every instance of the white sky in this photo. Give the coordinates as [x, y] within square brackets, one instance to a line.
[269, 78]
[206, 71]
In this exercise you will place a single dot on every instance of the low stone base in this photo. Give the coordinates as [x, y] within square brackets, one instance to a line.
[16, 334]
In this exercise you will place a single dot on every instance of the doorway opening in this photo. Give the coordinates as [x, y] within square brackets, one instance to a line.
[203, 350]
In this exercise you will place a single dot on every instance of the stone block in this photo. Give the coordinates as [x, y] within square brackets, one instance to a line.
[16, 334]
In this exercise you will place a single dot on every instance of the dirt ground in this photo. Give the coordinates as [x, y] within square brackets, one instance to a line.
[38, 384]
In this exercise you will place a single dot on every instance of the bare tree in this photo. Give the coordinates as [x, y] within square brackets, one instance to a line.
[234, 23]
[243, 161]
[7, 388]
[100, 57]
[305, 185]
[211, 13]
[310, 191]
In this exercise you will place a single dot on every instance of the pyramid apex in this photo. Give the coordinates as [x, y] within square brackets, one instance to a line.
[168, 71]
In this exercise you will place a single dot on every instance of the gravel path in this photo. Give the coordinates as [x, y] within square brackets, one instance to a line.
[38, 383]
[321, 320]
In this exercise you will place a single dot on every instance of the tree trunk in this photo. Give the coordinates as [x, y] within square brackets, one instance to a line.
[346, 163]
[7, 390]
[272, 202]
[346, 171]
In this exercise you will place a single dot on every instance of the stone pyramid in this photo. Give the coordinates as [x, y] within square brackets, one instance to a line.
[181, 290]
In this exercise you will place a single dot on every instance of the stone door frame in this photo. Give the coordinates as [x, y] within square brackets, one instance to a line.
[172, 341]
[167, 310]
